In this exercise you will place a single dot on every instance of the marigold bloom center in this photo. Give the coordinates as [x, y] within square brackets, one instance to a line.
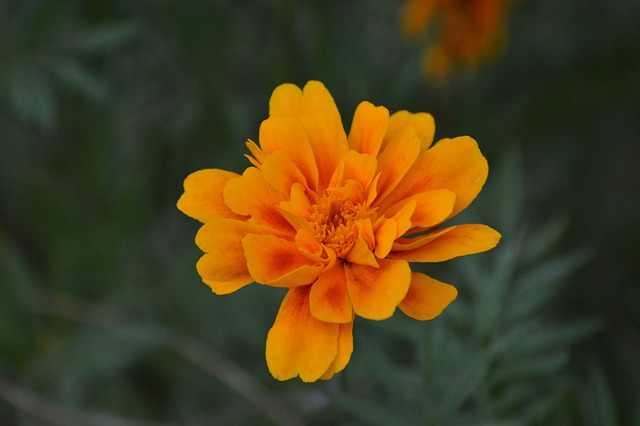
[335, 219]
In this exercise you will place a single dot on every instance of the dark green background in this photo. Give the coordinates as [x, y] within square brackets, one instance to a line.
[106, 106]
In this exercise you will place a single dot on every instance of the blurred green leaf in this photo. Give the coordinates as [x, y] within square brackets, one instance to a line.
[79, 78]
[101, 37]
[32, 97]
[601, 401]
[538, 285]
[551, 338]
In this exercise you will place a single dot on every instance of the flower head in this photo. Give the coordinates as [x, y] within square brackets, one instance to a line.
[336, 219]
[470, 32]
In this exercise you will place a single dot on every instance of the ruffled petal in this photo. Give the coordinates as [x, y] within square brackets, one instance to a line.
[278, 262]
[396, 159]
[368, 128]
[281, 173]
[427, 297]
[459, 240]
[355, 166]
[385, 236]
[454, 164]
[224, 266]
[432, 207]
[345, 348]
[361, 254]
[287, 135]
[329, 297]
[250, 194]
[288, 100]
[299, 344]
[202, 198]
[422, 122]
[375, 292]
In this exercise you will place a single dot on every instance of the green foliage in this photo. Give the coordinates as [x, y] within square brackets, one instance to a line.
[494, 356]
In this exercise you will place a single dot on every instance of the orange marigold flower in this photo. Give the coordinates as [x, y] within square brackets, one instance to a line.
[336, 219]
[470, 32]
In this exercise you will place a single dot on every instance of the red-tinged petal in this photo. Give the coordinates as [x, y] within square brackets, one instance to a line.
[385, 235]
[453, 164]
[250, 194]
[202, 198]
[427, 297]
[286, 101]
[281, 173]
[226, 287]
[309, 246]
[375, 292]
[299, 344]
[368, 128]
[432, 207]
[278, 262]
[460, 240]
[328, 142]
[287, 135]
[411, 243]
[224, 262]
[329, 297]
[361, 254]
[396, 159]
[345, 348]
[422, 122]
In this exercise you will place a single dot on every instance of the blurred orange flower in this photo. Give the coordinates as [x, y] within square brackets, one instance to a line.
[336, 219]
[470, 31]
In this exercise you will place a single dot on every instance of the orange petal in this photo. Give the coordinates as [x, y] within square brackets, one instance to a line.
[368, 128]
[355, 166]
[416, 14]
[385, 235]
[432, 207]
[224, 266]
[361, 254]
[278, 262]
[286, 134]
[396, 159]
[299, 344]
[375, 292]
[316, 99]
[345, 348]
[227, 287]
[422, 122]
[250, 194]
[202, 198]
[328, 142]
[411, 243]
[281, 173]
[427, 297]
[454, 164]
[329, 297]
[460, 240]
[257, 156]
[286, 101]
